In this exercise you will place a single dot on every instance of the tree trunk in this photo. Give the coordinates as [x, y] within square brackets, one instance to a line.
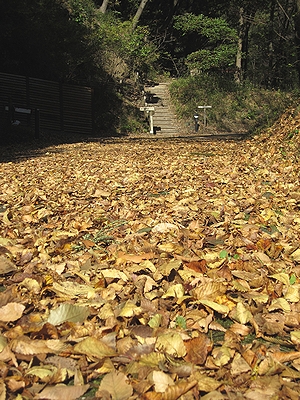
[172, 10]
[104, 5]
[271, 78]
[239, 54]
[138, 14]
[243, 44]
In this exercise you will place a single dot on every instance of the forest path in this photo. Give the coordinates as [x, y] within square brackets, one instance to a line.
[165, 119]
[166, 123]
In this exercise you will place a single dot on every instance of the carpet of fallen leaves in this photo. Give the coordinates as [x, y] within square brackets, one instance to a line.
[157, 270]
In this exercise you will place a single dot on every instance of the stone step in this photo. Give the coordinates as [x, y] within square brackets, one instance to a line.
[164, 119]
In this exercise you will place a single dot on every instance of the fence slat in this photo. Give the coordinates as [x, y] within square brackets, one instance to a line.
[67, 108]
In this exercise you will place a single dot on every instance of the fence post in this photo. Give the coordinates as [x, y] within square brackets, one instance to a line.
[37, 123]
[61, 105]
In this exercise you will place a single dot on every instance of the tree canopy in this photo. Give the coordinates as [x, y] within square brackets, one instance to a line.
[88, 41]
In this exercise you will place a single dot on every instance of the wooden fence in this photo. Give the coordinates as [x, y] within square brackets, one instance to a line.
[61, 107]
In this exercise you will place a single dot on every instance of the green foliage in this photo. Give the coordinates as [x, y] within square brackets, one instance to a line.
[81, 11]
[235, 108]
[217, 58]
[214, 29]
[124, 51]
[217, 41]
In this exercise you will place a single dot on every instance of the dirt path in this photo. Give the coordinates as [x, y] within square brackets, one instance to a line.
[130, 265]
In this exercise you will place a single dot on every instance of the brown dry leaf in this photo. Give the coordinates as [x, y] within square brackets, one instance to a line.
[209, 290]
[197, 349]
[161, 381]
[134, 258]
[152, 261]
[205, 383]
[6, 266]
[11, 312]
[285, 357]
[117, 385]
[179, 389]
[62, 392]
[239, 365]
[197, 266]
[26, 346]
[2, 390]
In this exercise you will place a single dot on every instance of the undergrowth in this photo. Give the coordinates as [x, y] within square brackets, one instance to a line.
[235, 108]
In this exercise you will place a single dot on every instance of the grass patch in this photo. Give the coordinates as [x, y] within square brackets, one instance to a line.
[235, 108]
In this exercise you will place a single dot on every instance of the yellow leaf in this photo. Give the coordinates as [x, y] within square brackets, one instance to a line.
[241, 314]
[155, 321]
[282, 277]
[93, 347]
[263, 258]
[209, 290]
[130, 309]
[221, 356]
[295, 337]
[174, 392]
[171, 343]
[32, 285]
[220, 308]
[152, 359]
[259, 298]
[292, 294]
[164, 227]
[106, 312]
[6, 216]
[167, 267]
[114, 274]
[106, 367]
[176, 291]
[280, 304]
[296, 255]
[206, 383]
[171, 248]
[26, 346]
[74, 289]
[213, 260]
[3, 342]
[147, 264]
[43, 372]
[6, 265]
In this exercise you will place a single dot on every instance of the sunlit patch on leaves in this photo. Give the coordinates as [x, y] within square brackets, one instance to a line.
[151, 271]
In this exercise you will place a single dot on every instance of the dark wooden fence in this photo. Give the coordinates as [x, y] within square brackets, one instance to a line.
[61, 107]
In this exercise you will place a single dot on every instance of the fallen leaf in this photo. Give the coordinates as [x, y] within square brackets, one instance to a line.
[161, 381]
[6, 266]
[11, 312]
[117, 385]
[62, 392]
[93, 347]
[68, 312]
[197, 349]
[171, 343]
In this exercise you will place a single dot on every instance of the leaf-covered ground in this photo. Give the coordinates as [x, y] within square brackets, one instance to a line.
[152, 270]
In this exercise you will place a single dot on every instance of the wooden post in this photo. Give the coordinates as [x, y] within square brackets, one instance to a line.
[204, 113]
[149, 112]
